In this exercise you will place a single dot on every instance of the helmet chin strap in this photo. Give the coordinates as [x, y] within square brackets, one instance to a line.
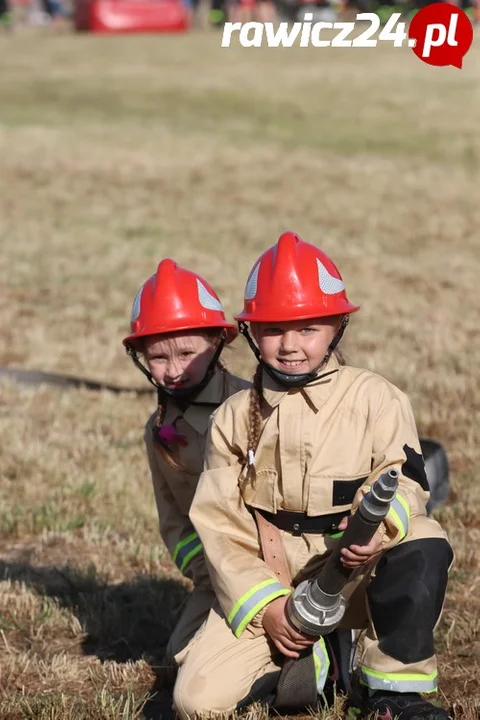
[295, 380]
[182, 394]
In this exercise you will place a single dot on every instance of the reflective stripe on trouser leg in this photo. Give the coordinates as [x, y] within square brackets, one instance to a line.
[405, 599]
[322, 664]
[398, 682]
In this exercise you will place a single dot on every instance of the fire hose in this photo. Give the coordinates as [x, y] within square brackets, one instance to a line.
[317, 605]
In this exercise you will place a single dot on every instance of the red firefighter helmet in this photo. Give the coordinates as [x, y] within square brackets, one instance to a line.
[176, 299]
[294, 280]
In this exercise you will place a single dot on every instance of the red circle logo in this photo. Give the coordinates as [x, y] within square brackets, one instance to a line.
[443, 34]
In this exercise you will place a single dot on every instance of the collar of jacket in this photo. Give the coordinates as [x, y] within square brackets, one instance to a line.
[315, 394]
[197, 416]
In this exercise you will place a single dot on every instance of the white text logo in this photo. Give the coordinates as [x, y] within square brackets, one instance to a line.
[339, 34]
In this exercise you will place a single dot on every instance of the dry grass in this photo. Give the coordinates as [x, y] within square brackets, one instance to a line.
[119, 151]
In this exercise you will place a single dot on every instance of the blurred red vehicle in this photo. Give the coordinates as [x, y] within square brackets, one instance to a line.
[131, 16]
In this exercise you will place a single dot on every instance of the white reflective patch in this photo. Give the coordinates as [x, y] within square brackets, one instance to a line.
[138, 297]
[328, 284]
[251, 287]
[206, 299]
[136, 305]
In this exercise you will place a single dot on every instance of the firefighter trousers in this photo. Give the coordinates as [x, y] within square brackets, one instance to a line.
[192, 614]
[398, 600]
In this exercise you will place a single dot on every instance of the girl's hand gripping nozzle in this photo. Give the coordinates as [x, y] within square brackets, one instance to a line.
[316, 606]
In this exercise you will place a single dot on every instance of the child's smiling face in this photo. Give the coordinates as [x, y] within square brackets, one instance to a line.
[178, 360]
[296, 346]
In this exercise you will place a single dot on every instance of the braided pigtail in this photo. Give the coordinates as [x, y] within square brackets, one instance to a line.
[161, 408]
[340, 356]
[254, 423]
[225, 373]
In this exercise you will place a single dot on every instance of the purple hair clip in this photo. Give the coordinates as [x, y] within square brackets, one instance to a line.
[168, 435]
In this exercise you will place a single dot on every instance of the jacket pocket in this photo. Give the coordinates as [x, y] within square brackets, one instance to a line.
[263, 492]
[332, 493]
[345, 490]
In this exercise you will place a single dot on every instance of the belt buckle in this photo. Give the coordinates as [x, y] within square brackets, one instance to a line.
[332, 530]
[296, 530]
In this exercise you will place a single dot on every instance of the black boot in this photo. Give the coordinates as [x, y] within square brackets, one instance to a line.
[402, 706]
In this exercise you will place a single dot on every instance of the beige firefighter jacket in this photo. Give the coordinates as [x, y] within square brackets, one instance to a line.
[320, 449]
[174, 489]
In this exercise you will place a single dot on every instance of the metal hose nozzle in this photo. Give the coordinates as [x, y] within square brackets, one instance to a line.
[317, 606]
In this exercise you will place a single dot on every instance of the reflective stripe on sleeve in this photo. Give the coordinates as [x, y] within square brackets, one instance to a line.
[185, 550]
[252, 602]
[400, 514]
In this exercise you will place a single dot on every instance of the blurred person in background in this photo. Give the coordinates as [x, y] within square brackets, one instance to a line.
[6, 16]
[55, 11]
[192, 8]
[265, 11]
[217, 14]
[244, 11]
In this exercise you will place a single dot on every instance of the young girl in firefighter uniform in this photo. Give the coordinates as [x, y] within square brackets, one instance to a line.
[179, 328]
[286, 463]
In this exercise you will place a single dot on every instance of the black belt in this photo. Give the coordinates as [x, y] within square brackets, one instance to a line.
[298, 523]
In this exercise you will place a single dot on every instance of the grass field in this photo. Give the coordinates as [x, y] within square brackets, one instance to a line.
[116, 152]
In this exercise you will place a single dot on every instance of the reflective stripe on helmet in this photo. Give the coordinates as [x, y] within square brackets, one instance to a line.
[206, 299]
[251, 286]
[136, 303]
[329, 284]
